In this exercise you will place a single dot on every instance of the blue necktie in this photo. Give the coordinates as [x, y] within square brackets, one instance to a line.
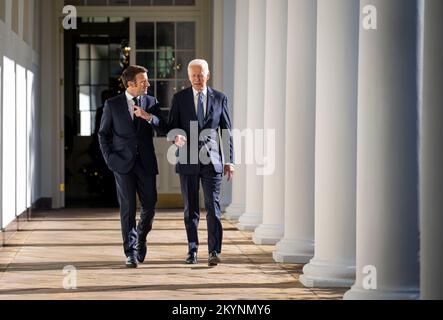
[200, 111]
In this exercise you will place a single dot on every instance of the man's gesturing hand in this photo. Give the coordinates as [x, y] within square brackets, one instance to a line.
[140, 113]
[180, 141]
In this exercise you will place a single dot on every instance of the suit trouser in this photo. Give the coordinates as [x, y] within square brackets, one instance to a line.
[137, 181]
[190, 186]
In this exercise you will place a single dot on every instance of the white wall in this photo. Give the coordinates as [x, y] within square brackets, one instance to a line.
[19, 128]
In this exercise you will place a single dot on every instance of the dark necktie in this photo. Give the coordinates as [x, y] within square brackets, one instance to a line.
[200, 111]
[137, 103]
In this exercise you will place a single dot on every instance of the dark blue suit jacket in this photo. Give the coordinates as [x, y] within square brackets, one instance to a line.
[120, 139]
[217, 117]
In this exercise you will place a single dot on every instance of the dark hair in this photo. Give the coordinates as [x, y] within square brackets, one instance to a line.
[131, 73]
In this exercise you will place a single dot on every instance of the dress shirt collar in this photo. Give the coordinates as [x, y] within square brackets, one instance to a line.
[204, 91]
[129, 97]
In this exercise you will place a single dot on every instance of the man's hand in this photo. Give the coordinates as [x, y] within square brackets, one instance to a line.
[229, 171]
[140, 113]
[180, 141]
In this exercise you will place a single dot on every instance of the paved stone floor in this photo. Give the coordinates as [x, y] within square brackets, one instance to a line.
[32, 263]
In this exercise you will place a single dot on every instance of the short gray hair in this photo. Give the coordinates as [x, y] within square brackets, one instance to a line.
[201, 63]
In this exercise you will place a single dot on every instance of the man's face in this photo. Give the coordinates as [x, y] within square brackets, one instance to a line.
[198, 80]
[141, 84]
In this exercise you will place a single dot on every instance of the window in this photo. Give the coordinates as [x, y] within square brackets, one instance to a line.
[130, 2]
[21, 139]
[8, 144]
[98, 63]
[30, 147]
[165, 49]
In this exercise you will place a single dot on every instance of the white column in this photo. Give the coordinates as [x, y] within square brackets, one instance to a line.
[298, 243]
[431, 158]
[387, 167]
[253, 215]
[272, 228]
[237, 207]
[333, 264]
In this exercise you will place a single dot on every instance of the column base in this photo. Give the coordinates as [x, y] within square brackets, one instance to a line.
[268, 234]
[233, 212]
[325, 274]
[359, 293]
[294, 251]
[249, 221]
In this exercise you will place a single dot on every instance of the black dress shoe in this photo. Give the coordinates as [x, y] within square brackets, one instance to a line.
[131, 262]
[192, 258]
[214, 259]
[141, 251]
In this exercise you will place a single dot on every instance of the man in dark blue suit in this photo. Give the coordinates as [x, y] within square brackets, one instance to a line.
[200, 113]
[126, 141]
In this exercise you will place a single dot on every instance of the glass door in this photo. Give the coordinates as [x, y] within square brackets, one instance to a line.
[165, 47]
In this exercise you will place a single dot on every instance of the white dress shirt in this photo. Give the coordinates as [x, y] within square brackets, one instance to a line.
[205, 107]
[131, 104]
[205, 100]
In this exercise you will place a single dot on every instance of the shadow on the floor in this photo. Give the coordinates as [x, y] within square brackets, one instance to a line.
[24, 245]
[109, 244]
[68, 230]
[109, 229]
[166, 287]
[260, 261]
[98, 219]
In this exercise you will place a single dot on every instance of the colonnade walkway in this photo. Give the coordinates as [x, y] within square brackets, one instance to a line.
[33, 261]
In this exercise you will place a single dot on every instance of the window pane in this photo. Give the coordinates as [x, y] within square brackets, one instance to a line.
[86, 123]
[99, 20]
[99, 51]
[141, 2]
[96, 96]
[182, 85]
[20, 146]
[152, 88]
[8, 146]
[96, 2]
[118, 2]
[165, 64]
[31, 147]
[74, 2]
[165, 91]
[99, 72]
[165, 34]
[83, 72]
[162, 3]
[116, 68]
[117, 19]
[114, 51]
[186, 35]
[185, 2]
[145, 35]
[83, 51]
[146, 59]
[84, 98]
[183, 59]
